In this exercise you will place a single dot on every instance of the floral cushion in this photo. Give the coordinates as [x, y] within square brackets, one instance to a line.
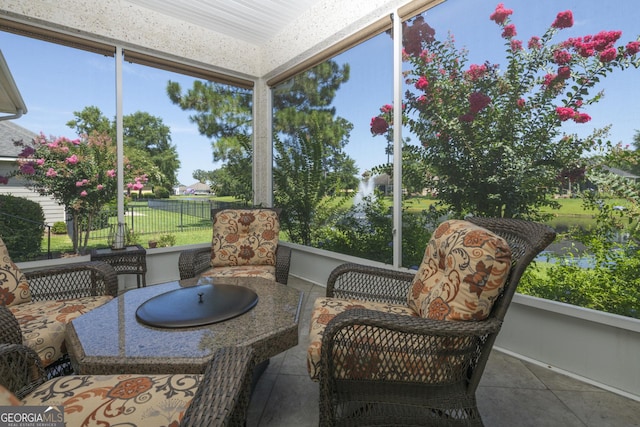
[324, 310]
[7, 398]
[263, 271]
[131, 400]
[245, 237]
[14, 288]
[463, 271]
[43, 323]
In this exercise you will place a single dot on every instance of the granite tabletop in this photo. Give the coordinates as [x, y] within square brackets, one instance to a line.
[109, 339]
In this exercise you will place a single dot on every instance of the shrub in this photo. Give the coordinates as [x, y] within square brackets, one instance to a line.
[59, 227]
[22, 234]
[161, 193]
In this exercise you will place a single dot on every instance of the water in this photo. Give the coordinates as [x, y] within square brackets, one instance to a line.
[365, 189]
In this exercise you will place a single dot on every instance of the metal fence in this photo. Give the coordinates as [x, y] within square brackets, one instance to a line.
[164, 216]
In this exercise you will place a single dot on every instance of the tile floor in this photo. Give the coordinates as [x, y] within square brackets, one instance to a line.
[513, 393]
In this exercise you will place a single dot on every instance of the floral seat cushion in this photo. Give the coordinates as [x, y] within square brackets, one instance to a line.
[464, 270]
[324, 310]
[263, 271]
[131, 400]
[245, 237]
[14, 288]
[43, 323]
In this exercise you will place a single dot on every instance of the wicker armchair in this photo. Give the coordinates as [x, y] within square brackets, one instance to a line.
[427, 370]
[82, 285]
[194, 262]
[219, 397]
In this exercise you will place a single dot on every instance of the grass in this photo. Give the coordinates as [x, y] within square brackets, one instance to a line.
[196, 230]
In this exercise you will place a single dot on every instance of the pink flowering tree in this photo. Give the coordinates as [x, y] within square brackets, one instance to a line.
[492, 136]
[80, 174]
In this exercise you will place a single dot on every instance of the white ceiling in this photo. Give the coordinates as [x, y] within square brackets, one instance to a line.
[253, 21]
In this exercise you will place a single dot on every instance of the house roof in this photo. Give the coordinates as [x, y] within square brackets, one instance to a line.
[621, 173]
[199, 186]
[10, 132]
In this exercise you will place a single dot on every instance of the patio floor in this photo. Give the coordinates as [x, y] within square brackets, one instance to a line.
[512, 392]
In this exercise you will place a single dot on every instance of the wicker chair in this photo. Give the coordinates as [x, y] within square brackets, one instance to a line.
[194, 262]
[406, 390]
[67, 282]
[219, 397]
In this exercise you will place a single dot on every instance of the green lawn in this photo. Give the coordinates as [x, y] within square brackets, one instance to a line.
[570, 213]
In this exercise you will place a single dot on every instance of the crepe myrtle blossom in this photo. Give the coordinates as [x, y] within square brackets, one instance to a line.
[507, 121]
[77, 173]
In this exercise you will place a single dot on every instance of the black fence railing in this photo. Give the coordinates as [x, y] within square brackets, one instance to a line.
[155, 216]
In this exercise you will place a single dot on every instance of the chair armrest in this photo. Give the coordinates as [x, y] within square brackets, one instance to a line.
[411, 348]
[10, 332]
[224, 393]
[91, 278]
[20, 369]
[283, 263]
[361, 282]
[192, 262]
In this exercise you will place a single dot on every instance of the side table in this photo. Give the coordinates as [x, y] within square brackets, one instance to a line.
[129, 260]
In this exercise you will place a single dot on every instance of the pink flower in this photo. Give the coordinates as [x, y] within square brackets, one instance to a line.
[548, 79]
[111, 173]
[84, 193]
[500, 14]
[79, 184]
[129, 185]
[51, 173]
[478, 101]
[27, 169]
[608, 55]
[72, 160]
[516, 45]
[422, 83]
[467, 118]
[563, 20]
[561, 57]
[100, 186]
[27, 151]
[137, 186]
[520, 103]
[387, 108]
[564, 73]
[476, 72]
[581, 118]
[534, 43]
[565, 113]
[633, 47]
[40, 162]
[379, 126]
[509, 31]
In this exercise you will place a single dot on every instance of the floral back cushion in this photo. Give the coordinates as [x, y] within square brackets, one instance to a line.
[462, 273]
[14, 288]
[245, 237]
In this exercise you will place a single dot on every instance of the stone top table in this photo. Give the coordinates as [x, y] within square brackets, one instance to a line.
[109, 339]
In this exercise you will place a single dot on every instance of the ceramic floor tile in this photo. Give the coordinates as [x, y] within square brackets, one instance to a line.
[506, 371]
[510, 407]
[602, 409]
[293, 403]
[557, 381]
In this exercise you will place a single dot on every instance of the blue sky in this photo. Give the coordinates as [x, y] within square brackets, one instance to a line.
[55, 81]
